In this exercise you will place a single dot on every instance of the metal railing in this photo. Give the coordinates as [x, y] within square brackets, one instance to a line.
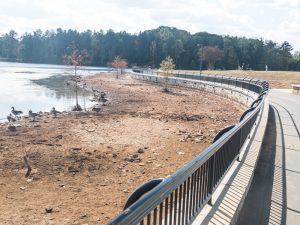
[179, 198]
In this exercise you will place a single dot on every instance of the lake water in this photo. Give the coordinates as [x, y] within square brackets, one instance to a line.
[40, 87]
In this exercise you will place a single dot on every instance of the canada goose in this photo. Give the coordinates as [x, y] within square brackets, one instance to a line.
[10, 118]
[54, 112]
[96, 108]
[16, 112]
[32, 115]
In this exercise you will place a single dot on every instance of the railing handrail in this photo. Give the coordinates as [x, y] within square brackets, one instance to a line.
[140, 209]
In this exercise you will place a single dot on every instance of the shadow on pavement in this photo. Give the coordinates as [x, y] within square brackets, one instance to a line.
[266, 199]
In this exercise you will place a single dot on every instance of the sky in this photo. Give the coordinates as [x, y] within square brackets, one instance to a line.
[277, 20]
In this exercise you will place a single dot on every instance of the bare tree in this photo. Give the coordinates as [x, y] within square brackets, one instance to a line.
[211, 54]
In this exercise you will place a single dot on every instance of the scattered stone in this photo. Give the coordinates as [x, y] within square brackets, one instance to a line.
[11, 128]
[129, 159]
[22, 188]
[83, 216]
[199, 140]
[140, 150]
[135, 156]
[49, 210]
[180, 153]
[142, 164]
[71, 169]
[58, 137]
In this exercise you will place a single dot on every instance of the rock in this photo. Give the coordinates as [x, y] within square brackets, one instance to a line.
[129, 159]
[83, 216]
[11, 128]
[180, 153]
[135, 156]
[142, 164]
[140, 150]
[58, 136]
[49, 210]
[71, 169]
[22, 188]
[198, 140]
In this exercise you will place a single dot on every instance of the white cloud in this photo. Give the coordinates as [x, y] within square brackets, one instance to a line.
[270, 19]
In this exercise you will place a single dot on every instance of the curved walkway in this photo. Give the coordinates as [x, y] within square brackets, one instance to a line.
[274, 196]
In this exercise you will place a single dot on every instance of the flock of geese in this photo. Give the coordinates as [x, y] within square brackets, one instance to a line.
[16, 114]
[98, 96]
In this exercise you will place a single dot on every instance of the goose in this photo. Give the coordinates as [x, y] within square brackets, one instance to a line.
[16, 112]
[10, 118]
[32, 115]
[54, 112]
[96, 108]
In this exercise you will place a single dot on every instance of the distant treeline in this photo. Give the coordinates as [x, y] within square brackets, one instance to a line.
[148, 48]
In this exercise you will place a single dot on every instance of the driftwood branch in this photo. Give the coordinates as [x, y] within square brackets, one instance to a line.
[28, 166]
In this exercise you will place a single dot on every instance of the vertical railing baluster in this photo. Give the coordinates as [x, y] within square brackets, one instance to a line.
[183, 204]
[155, 216]
[175, 206]
[161, 213]
[166, 210]
[187, 201]
[180, 211]
[149, 219]
[171, 208]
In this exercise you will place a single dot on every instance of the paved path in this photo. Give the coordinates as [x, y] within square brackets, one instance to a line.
[274, 196]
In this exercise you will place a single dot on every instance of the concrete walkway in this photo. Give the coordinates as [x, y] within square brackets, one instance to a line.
[274, 196]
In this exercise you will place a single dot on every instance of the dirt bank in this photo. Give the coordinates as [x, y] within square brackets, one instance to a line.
[84, 165]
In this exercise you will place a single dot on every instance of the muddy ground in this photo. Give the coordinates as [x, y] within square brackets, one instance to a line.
[85, 165]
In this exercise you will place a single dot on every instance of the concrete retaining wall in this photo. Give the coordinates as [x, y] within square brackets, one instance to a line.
[237, 94]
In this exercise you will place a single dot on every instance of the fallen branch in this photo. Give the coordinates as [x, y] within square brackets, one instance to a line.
[28, 166]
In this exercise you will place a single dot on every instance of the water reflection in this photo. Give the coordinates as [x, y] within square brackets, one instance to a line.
[39, 87]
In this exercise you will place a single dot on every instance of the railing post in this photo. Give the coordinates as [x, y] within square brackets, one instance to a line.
[211, 178]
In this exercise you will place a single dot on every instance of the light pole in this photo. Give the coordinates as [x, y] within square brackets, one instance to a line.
[201, 56]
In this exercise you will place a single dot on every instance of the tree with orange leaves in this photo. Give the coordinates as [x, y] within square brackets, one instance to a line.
[76, 58]
[119, 64]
